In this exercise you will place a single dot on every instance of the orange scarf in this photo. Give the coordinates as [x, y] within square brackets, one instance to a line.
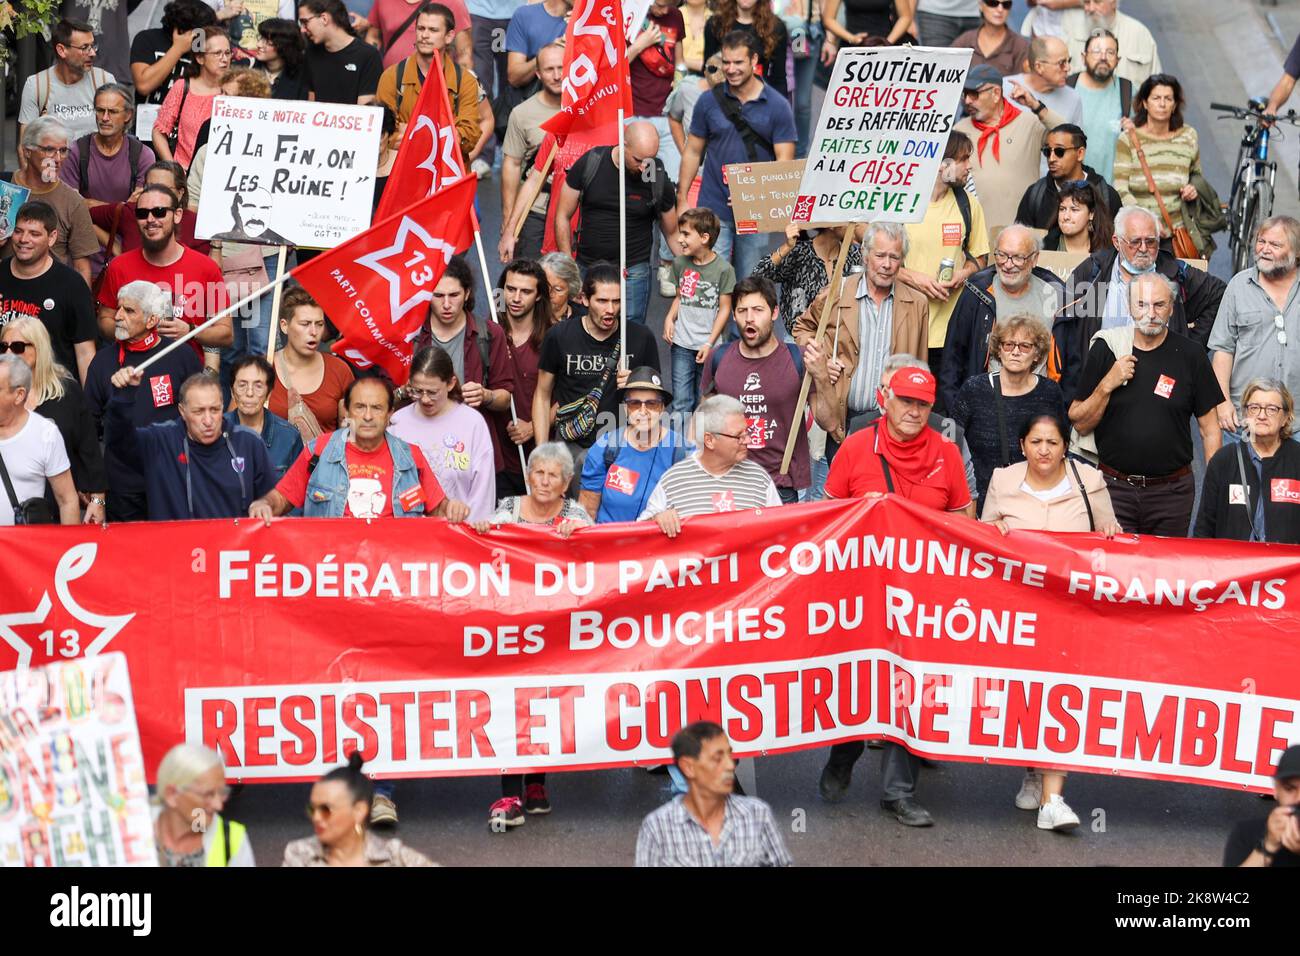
[990, 131]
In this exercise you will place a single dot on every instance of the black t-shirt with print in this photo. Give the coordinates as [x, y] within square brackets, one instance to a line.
[344, 76]
[598, 232]
[578, 361]
[60, 298]
[1145, 429]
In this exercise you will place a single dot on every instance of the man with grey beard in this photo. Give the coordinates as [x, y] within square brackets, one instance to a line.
[1257, 331]
[1107, 100]
[1137, 398]
[1139, 57]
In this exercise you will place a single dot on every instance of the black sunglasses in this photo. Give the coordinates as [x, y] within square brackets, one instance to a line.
[1004, 4]
[1057, 151]
[157, 212]
[18, 348]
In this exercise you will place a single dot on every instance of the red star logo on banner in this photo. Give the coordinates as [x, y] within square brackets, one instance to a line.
[411, 265]
[443, 162]
[803, 208]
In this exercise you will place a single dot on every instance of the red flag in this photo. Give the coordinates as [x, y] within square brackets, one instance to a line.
[373, 286]
[596, 81]
[596, 86]
[429, 157]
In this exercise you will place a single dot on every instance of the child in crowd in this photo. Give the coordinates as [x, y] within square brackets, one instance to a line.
[699, 313]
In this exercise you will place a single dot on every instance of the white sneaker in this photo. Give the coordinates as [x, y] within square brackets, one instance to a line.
[480, 169]
[1056, 815]
[1031, 791]
[667, 287]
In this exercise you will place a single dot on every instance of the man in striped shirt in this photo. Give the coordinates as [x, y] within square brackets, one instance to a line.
[716, 478]
[710, 825]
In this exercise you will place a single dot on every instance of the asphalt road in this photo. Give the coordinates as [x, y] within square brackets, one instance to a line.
[1126, 822]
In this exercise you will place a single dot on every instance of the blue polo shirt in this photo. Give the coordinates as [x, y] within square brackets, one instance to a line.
[531, 28]
[769, 115]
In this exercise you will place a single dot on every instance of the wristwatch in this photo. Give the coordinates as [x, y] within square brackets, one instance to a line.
[1039, 108]
[99, 500]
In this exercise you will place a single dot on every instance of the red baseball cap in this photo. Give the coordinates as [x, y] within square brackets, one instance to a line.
[914, 383]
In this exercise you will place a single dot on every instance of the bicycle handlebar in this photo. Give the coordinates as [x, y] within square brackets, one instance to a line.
[1241, 112]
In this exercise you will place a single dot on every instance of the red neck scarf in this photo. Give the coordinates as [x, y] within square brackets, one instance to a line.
[143, 344]
[990, 131]
[913, 461]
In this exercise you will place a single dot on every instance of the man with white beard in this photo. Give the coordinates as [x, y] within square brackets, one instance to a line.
[1257, 331]
[1137, 398]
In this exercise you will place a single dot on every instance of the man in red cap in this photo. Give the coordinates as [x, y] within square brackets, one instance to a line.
[900, 454]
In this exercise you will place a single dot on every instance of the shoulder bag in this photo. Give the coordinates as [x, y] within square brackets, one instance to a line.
[298, 413]
[31, 511]
[1083, 492]
[575, 420]
[1184, 247]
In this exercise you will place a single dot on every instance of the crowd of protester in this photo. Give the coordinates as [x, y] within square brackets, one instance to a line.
[954, 370]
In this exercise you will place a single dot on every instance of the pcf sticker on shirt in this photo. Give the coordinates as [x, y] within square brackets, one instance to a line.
[1165, 386]
[690, 279]
[1236, 495]
[1285, 491]
[952, 234]
[724, 501]
[622, 479]
[160, 387]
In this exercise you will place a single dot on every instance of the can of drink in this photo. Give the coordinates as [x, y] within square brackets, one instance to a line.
[947, 268]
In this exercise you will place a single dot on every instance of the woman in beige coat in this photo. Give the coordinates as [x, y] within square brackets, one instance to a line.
[1048, 492]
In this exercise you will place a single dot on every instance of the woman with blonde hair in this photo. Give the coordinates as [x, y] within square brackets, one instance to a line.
[57, 395]
[188, 827]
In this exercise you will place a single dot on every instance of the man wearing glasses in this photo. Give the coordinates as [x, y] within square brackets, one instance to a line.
[195, 282]
[107, 166]
[1064, 151]
[67, 89]
[1016, 285]
[715, 479]
[1257, 331]
[1097, 292]
[1140, 57]
[1047, 68]
[1107, 100]
[1137, 400]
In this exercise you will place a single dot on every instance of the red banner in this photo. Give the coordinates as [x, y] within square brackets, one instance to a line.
[373, 286]
[429, 156]
[439, 651]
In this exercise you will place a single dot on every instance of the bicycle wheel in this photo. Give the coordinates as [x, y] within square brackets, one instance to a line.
[1241, 187]
[1242, 251]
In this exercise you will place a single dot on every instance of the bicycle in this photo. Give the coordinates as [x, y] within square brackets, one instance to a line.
[1253, 182]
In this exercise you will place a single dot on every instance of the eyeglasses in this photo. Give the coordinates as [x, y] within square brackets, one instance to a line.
[249, 388]
[219, 54]
[1279, 323]
[651, 404]
[315, 16]
[220, 793]
[84, 48]
[18, 348]
[1004, 4]
[1145, 243]
[1255, 410]
[52, 150]
[324, 809]
[741, 437]
[1057, 151]
[1010, 347]
[976, 92]
[155, 212]
[1059, 63]
[1005, 257]
[419, 393]
[105, 111]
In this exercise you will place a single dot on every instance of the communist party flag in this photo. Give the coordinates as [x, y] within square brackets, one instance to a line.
[429, 157]
[596, 86]
[373, 286]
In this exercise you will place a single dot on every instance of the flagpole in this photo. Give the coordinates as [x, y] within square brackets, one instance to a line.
[271, 336]
[212, 321]
[622, 244]
[541, 184]
[492, 304]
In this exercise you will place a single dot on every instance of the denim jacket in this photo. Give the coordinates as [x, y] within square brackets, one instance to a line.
[327, 489]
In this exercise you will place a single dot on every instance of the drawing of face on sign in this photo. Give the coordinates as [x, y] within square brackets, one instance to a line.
[366, 497]
[251, 212]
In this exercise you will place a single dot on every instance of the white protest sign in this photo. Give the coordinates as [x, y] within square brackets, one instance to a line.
[633, 16]
[286, 172]
[72, 776]
[145, 114]
[881, 134]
